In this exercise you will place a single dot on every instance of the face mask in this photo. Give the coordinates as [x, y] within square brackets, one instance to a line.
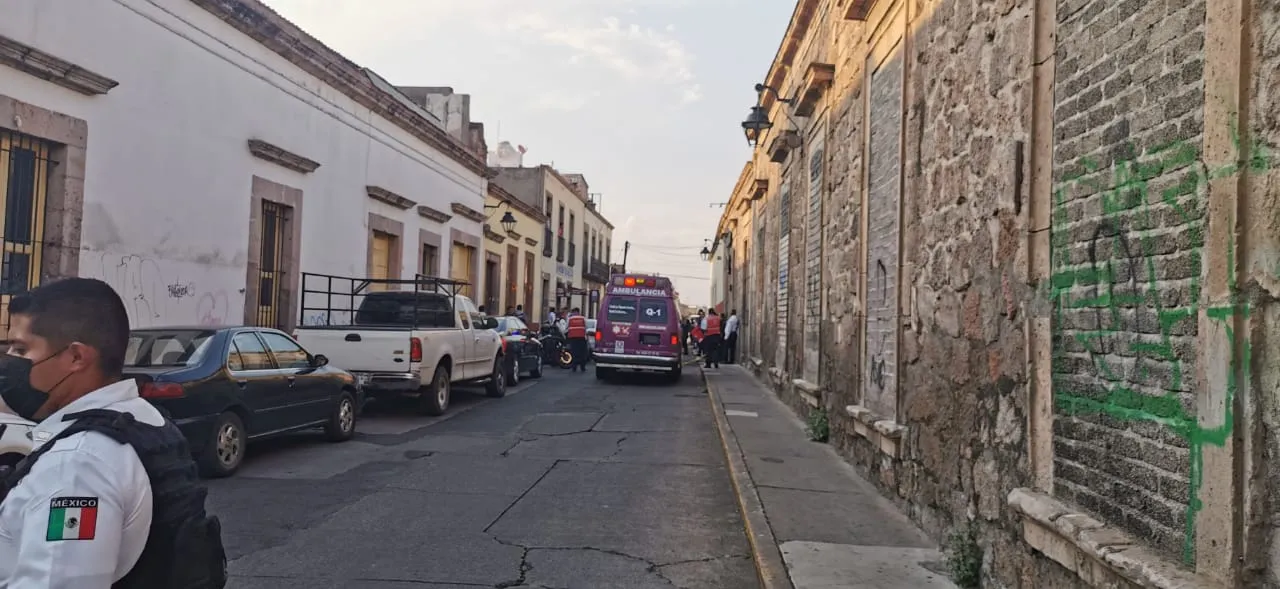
[15, 386]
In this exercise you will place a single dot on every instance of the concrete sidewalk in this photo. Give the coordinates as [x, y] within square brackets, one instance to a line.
[813, 522]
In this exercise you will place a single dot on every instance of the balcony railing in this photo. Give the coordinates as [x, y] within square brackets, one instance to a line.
[596, 271]
[547, 238]
[573, 253]
[560, 249]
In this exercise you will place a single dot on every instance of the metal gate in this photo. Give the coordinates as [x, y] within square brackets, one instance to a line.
[24, 180]
[270, 275]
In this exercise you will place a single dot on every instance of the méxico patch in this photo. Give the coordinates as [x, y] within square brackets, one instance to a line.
[72, 518]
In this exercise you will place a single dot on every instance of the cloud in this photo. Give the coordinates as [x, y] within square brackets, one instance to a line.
[578, 44]
[589, 36]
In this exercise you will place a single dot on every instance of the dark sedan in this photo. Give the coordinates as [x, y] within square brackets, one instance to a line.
[226, 386]
[524, 351]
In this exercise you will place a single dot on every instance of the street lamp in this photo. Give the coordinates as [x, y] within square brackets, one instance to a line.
[508, 222]
[705, 253]
[758, 119]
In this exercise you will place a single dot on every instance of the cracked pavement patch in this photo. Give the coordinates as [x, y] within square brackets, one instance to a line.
[570, 485]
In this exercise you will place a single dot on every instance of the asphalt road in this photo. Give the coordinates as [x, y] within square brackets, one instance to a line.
[566, 483]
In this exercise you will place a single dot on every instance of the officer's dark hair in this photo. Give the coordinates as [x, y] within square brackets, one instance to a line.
[575, 310]
[82, 310]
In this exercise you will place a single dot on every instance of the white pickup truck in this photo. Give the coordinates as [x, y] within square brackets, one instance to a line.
[406, 343]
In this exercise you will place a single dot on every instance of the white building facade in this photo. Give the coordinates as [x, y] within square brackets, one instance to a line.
[200, 155]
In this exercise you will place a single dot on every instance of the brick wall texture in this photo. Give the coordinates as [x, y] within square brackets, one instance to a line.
[884, 230]
[1127, 235]
[898, 276]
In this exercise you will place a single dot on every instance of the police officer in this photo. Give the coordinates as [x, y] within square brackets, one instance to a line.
[576, 333]
[110, 483]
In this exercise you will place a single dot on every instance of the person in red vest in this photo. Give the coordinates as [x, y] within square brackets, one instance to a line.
[711, 338]
[576, 333]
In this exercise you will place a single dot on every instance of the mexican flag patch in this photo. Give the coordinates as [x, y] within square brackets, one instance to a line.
[72, 518]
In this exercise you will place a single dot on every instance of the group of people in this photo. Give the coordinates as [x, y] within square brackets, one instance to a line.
[109, 495]
[713, 339]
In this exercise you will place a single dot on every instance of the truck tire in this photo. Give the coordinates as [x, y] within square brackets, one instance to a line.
[435, 396]
[497, 385]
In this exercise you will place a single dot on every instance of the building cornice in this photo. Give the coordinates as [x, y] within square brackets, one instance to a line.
[436, 215]
[801, 19]
[282, 157]
[383, 195]
[273, 31]
[467, 212]
[32, 61]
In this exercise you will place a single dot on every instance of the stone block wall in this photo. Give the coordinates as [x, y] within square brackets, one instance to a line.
[1127, 236]
[963, 383]
[1265, 166]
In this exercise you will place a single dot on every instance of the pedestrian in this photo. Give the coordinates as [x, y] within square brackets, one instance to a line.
[481, 309]
[731, 338]
[551, 315]
[576, 333]
[109, 496]
[711, 339]
[685, 328]
[520, 313]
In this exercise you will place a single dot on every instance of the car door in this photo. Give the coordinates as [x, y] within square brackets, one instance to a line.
[466, 312]
[260, 384]
[306, 396]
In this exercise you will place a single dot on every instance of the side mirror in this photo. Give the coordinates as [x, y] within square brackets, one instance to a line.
[319, 360]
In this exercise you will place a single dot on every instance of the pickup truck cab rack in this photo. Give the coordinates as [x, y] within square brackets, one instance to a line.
[402, 337]
[346, 290]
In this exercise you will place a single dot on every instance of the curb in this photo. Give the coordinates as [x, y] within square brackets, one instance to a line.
[771, 570]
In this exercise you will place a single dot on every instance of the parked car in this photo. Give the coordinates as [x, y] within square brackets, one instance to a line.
[403, 338]
[524, 351]
[224, 387]
[15, 438]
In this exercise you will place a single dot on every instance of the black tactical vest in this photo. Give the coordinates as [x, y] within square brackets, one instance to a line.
[184, 546]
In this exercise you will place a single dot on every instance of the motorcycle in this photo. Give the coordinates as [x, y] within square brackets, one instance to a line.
[555, 348]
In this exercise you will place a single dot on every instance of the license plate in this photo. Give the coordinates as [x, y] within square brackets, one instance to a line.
[617, 347]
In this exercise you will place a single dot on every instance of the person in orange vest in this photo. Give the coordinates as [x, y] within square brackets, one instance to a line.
[576, 333]
[711, 338]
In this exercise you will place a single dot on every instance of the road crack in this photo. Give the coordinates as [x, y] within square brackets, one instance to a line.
[618, 449]
[525, 566]
[651, 567]
[522, 495]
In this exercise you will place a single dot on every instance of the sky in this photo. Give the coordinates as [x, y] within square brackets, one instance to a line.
[644, 97]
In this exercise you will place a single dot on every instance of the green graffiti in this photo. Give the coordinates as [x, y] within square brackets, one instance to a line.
[1130, 222]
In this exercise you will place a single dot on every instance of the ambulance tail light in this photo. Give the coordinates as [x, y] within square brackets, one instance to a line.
[599, 336]
[415, 349]
[675, 340]
[161, 390]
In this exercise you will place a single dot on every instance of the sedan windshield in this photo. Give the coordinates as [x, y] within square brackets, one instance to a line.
[167, 348]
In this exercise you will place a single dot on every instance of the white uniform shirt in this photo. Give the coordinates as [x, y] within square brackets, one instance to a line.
[53, 502]
[731, 326]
